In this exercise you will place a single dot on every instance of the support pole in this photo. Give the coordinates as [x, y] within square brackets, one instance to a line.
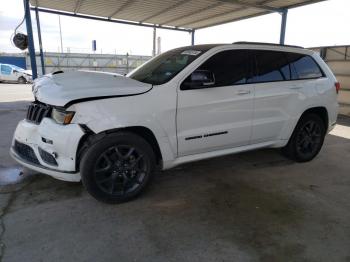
[59, 24]
[154, 41]
[284, 15]
[31, 47]
[127, 63]
[192, 37]
[40, 41]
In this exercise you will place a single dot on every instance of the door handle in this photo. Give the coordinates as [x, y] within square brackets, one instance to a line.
[296, 87]
[243, 92]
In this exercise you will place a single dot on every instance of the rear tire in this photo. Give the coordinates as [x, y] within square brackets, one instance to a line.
[307, 139]
[117, 167]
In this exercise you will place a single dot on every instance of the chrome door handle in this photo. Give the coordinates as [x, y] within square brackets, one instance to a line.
[243, 92]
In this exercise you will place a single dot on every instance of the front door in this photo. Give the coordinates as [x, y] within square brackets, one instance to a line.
[218, 116]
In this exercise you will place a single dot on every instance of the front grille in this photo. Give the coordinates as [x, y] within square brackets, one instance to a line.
[26, 152]
[37, 111]
[47, 157]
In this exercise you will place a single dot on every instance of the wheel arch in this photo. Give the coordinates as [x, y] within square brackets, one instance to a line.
[321, 111]
[146, 134]
[22, 77]
[290, 148]
[90, 137]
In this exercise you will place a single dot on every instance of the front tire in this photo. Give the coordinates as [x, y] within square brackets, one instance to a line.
[307, 139]
[117, 167]
[21, 80]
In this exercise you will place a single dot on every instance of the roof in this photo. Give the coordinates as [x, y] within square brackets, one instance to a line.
[189, 14]
[254, 45]
[265, 44]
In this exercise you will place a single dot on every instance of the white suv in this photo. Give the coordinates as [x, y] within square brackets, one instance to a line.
[187, 104]
[14, 74]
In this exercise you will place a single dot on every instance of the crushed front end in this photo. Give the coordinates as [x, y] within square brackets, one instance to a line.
[42, 144]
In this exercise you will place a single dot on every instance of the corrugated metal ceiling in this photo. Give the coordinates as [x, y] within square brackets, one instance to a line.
[191, 14]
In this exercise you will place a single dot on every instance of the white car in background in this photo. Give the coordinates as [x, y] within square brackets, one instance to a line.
[14, 74]
[187, 104]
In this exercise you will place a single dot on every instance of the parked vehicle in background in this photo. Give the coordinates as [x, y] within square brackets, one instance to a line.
[187, 104]
[14, 74]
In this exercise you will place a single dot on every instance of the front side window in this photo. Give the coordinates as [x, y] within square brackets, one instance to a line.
[6, 70]
[166, 66]
[228, 67]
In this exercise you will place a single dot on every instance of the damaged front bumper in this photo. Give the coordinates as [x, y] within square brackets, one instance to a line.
[48, 148]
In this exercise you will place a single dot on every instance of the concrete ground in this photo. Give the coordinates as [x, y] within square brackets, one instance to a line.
[254, 206]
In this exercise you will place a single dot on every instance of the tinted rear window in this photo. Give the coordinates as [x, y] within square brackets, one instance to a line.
[271, 66]
[303, 67]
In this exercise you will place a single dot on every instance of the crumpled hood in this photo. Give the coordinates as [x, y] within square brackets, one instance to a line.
[64, 88]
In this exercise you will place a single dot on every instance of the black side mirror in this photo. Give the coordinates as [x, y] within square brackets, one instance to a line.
[15, 71]
[199, 79]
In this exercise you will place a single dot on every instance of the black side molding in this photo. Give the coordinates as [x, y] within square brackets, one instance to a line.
[206, 135]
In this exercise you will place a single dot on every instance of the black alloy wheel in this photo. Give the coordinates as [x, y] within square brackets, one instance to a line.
[117, 167]
[307, 139]
[120, 170]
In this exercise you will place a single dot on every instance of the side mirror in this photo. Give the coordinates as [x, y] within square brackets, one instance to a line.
[15, 71]
[199, 79]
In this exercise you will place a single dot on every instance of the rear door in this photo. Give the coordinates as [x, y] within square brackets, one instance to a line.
[219, 116]
[282, 80]
[272, 95]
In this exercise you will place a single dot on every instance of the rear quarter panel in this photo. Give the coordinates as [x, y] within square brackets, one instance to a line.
[326, 91]
[314, 93]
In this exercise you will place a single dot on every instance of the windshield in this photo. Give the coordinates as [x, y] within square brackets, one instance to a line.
[17, 68]
[166, 66]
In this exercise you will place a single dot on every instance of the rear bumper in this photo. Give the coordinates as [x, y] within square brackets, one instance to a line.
[332, 115]
[48, 148]
[331, 127]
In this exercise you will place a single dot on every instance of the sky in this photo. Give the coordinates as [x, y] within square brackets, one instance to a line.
[321, 24]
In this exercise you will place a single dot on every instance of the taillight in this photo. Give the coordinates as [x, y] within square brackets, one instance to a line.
[337, 87]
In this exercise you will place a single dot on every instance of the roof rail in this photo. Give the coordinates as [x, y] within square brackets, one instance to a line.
[267, 44]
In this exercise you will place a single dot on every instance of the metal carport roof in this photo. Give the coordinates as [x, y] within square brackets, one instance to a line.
[189, 14]
[182, 15]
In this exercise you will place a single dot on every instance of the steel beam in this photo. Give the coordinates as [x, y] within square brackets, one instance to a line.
[284, 15]
[40, 41]
[121, 8]
[257, 6]
[31, 47]
[169, 8]
[97, 18]
[192, 13]
[242, 5]
[309, 2]
[77, 6]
